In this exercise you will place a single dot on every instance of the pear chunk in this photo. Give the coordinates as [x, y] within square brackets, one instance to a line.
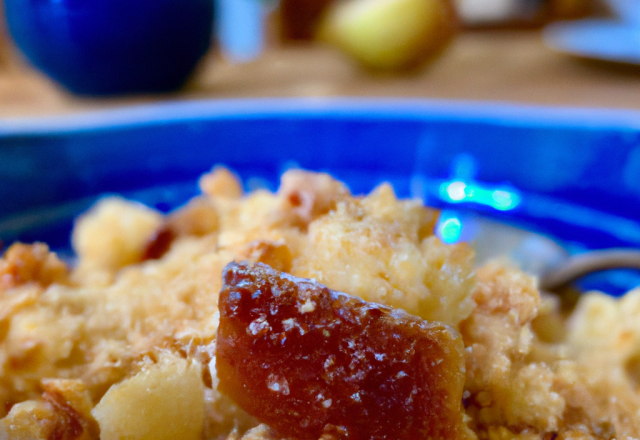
[163, 401]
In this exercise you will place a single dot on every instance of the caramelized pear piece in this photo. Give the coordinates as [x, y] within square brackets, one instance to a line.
[309, 361]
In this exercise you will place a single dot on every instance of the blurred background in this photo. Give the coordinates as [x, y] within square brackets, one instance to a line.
[67, 56]
[516, 163]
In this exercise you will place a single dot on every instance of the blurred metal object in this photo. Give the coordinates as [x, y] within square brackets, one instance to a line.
[581, 265]
[521, 13]
[482, 12]
[534, 253]
[556, 264]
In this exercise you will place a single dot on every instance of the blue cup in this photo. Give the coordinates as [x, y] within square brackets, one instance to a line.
[106, 47]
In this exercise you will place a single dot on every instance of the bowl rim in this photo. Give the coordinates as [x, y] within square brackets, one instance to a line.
[498, 112]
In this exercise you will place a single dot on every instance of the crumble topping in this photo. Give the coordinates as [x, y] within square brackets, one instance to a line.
[123, 345]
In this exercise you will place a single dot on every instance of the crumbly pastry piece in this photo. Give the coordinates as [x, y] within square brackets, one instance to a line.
[113, 235]
[132, 328]
[581, 384]
[25, 264]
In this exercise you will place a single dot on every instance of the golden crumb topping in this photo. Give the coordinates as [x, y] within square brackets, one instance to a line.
[123, 345]
[23, 264]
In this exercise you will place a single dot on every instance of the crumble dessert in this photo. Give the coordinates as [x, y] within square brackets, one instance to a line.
[131, 344]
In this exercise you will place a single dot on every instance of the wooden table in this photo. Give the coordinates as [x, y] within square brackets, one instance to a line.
[510, 66]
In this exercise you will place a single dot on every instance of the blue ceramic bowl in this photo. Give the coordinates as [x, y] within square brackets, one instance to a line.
[102, 47]
[570, 174]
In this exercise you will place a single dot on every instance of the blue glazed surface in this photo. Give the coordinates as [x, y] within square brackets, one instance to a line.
[571, 174]
[101, 47]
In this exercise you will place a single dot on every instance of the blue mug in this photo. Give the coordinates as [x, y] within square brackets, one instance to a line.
[106, 47]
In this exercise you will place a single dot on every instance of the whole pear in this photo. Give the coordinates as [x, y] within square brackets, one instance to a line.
[390, 34]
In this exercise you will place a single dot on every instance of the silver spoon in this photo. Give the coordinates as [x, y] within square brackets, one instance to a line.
[578, 266]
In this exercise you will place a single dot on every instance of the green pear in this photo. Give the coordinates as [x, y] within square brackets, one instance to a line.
[389, 34]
